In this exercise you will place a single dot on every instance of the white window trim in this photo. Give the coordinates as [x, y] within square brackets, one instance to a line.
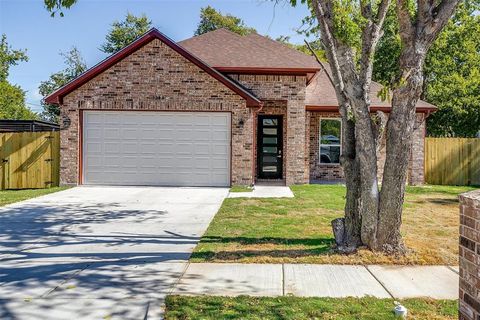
[334, 145]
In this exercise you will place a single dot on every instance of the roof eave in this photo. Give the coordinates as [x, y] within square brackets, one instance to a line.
[333, 108]
[266, 70]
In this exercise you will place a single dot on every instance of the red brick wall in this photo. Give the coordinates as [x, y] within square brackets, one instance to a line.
[335, 172]
[416, 172]
[157, 78]
[469, 293]
[292, 90]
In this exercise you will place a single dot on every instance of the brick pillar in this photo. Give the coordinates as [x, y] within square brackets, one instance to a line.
[69, 134]
[469, 292]
[296, 144]
[306, 175]
[416, 170]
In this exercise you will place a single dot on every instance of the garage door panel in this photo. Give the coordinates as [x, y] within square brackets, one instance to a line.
[156, 148]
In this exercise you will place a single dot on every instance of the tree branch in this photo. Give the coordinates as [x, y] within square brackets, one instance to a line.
[406, 29]
[380, 122]
[370, 36]
[325, 25]
[440, 15]
[320, 62]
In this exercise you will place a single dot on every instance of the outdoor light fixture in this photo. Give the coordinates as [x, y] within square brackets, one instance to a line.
[66, 122]
[241, 123]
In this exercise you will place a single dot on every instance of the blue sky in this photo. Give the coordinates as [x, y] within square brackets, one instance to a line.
[29, 26]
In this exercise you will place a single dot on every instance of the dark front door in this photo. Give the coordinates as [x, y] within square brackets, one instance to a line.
[270, 153]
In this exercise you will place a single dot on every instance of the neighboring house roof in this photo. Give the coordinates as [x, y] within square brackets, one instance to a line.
[27, 126]
[321, 96]
[229, 52]
[56, 97]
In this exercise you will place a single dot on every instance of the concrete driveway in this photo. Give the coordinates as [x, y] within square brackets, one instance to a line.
[99, 252]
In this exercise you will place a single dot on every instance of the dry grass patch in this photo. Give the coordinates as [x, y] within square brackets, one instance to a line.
[297, 230]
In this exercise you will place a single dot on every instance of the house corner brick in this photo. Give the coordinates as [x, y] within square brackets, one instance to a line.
[469, 250]
[416, 170]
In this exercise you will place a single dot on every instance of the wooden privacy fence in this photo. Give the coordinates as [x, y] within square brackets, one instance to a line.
[29, 160]
[452, 161]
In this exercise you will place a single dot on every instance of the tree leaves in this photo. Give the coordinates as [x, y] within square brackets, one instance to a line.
[125, 32]
[12, 103]
[211, 19]
[75, 65]
[54, 6]
[12, 97]
[9, 57]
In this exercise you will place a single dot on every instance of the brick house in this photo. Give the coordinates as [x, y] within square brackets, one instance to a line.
[217, 109]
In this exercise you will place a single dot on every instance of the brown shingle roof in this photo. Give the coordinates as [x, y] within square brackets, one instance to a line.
[223, 49]
[227, 51]
[321, 93]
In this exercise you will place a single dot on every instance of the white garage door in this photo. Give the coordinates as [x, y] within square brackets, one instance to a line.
[156, 148]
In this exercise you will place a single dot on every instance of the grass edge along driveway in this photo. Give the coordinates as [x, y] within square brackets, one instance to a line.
[298, 230]
[12, 196]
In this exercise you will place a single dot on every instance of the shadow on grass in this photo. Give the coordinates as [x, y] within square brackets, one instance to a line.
[439, 201]
[319, 246]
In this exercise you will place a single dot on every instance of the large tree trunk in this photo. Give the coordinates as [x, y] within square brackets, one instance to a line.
[350, 226]
[400, 128]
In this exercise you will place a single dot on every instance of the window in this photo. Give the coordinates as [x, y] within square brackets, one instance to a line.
[330, 140]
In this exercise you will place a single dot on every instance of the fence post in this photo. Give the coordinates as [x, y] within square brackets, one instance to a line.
[2, 163]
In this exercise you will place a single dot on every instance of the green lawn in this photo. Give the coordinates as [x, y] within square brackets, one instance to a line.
[241, 189]
[297, 230]
[207, 307]
[11, 196]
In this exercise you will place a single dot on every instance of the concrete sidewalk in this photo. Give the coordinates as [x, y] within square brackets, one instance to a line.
[309, 280]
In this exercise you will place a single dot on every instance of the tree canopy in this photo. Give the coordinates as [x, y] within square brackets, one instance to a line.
[211, 19]
[12, 97]
[9, 57]
[54, 6]
[452, 76]
[452, 69]
[75, 65]
[125, 32]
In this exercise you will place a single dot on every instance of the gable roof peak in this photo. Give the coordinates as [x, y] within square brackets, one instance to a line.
[57, 96]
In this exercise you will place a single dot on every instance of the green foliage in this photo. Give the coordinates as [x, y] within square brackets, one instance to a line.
[9, 57]
[452, 71]
[75, 65]
[211, 19]
[54, 6]
[348, 22]
[452, 75]
[387, 55]
[12, 103]
[125, 32]
[316, 46]
[12, 97]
